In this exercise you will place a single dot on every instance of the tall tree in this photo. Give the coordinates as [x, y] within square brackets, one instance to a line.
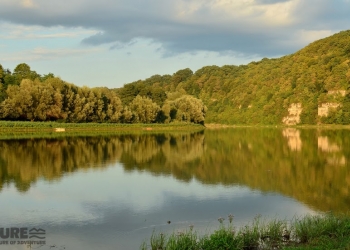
[144, 109]
[18, 104]
[189, 109]
[22, 71]
[32, 100]
[8, 78]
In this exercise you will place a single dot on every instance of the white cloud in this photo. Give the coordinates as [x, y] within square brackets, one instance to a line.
[241, 11]
[279, 14]
[23, 32]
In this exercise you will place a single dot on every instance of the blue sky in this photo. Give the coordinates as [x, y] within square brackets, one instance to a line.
[113, 42]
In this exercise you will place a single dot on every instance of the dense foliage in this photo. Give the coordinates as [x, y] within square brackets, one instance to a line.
[25, 95]
[261, 92]
[257, 93]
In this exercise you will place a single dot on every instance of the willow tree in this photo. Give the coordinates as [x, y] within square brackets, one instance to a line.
[69, 94]
[18, 104]
[114, 109]
[32, 100]
[83, 105]
[187, 108]
[48, 102]
[144, 109]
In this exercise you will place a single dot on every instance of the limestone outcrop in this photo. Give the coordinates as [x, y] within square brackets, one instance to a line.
[324, 109]
[294, 112]
[337, 92]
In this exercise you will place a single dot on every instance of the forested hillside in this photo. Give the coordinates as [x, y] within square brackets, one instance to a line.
[316, 77]
[308, 87]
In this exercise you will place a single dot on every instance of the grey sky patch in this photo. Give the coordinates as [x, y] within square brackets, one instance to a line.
[117, 46]
[194, 26]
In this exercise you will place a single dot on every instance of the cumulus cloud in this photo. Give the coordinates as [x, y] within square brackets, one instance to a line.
[251, 27]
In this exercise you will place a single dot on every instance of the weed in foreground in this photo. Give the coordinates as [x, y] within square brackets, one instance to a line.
[158, 241]
[309, 232]
[182, 240]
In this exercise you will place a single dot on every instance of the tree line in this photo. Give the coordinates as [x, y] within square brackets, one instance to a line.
[261, 92]
[26, 95]
[258, 93]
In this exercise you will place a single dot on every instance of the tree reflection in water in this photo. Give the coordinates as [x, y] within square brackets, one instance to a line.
[306, 164]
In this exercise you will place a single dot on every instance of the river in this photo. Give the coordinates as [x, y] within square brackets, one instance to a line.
[113, 192]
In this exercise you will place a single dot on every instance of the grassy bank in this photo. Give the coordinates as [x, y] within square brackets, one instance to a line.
[26, 126]
[310, 232]
[303, 126]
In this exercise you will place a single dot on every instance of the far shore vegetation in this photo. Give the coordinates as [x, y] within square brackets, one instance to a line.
[321, 232]
[315, 79]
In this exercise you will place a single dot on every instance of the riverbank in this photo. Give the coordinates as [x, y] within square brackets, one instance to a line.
[22, 126]
[310, 232]
[303, 126]
[23, 130]
[28, 126]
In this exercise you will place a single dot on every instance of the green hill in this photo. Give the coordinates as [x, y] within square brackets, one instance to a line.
[315, 79]
[310, 86]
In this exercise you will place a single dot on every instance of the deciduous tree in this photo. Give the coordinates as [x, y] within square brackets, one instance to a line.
[144, 109]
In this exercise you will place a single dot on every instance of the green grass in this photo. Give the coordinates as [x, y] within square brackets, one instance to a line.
[28, 124]
[310, 232]
[16, 129]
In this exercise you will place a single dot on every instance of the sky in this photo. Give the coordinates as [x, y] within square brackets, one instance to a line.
[113, 42]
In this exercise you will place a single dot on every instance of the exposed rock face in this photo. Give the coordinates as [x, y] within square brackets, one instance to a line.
[324, 109]
[294, 112]
[337, 92]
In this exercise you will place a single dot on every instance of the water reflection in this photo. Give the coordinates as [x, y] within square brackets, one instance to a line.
[293, 137]
[110, 192]
[309, 165]
[289, 161]
[113, 209]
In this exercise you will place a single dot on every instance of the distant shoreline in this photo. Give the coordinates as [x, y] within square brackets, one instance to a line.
[27, 126]
[58, 127]
[304, 126]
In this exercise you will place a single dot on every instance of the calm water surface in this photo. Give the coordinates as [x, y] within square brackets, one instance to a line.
[112, 192]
